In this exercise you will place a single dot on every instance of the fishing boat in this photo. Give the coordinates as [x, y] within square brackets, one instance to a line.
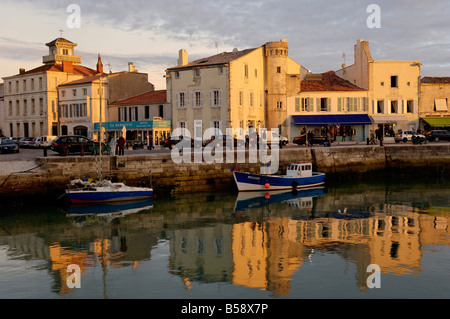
[298, 175]
[105, 191]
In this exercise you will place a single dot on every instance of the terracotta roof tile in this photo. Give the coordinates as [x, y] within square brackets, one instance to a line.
[329, 82]
[221, 58]
[435, 79]
[77, 69]
[158, 96]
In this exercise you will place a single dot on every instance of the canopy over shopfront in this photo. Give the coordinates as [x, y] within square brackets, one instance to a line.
[437, 121]
[388, 119]
[137, 131]
[337, 119]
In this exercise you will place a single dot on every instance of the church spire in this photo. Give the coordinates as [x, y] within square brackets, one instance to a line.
[99, 65]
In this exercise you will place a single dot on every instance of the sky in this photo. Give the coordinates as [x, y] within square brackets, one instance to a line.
[321, 33]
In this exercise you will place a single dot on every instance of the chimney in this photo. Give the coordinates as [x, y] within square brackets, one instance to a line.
[182, 57]
[99, 65]
[21, 71]
[67, 67]
[131, 67]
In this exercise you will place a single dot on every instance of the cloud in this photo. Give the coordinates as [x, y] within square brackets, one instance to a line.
[318, 32]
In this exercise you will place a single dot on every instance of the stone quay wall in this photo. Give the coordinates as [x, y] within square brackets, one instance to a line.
[48, 176]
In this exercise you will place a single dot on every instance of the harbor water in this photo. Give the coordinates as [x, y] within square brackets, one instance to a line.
[359, 241]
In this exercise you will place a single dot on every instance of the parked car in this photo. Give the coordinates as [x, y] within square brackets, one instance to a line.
[437, 135]
[8, 146]
[73, 143]
[25, 142]
[227, 140]
[174, 140]
[317, 139]
[274, 136]
[406, 136]
[44, 141]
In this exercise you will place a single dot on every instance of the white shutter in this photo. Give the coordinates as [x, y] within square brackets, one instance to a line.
[211, 98]
[220, 97]
[177, 98]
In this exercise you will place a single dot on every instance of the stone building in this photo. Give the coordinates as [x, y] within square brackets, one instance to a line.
[238, 89]
[326, 104]
[434, 108]
[393, 88]
[31, 101]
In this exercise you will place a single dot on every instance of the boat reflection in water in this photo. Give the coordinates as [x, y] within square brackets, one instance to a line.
[109, 210]
[301, 198]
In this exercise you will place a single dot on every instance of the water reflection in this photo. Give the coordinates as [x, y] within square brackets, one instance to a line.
[259, 241]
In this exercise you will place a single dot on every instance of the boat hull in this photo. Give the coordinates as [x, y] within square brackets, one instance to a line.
[255, 182]
[81, 196]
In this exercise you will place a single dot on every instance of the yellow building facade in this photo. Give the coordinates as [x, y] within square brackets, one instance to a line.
[393, 88]
[434, 106]
[237, 90]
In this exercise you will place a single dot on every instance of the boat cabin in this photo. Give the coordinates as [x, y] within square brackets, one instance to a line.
[299, 169]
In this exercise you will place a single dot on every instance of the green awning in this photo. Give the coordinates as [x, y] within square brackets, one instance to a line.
[437, 121]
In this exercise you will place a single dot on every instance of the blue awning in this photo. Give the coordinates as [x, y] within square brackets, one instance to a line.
[341, 119]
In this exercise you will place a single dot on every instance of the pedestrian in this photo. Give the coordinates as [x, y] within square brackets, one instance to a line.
[150, 142]
[121, 145]
[310, 138]
[380, 136]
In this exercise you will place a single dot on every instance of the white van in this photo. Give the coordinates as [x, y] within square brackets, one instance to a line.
[44, 141]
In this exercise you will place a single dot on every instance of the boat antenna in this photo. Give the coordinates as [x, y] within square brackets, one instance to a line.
[101, 131]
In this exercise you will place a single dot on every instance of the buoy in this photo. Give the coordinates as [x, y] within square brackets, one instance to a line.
[267, 196]
[266, 185]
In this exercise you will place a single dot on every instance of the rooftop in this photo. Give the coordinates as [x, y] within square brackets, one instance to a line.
[158, 96]
[56, 67]
[221, 58]
[435, 79]
[327, 81]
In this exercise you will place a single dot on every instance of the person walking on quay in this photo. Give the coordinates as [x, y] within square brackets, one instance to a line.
[372, 138]
[310, 136]
[121, 145]
[379, 134]
[150, 142]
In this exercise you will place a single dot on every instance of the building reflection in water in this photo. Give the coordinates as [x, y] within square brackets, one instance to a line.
[258, 242]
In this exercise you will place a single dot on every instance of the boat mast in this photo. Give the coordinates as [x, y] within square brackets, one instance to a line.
[101, 131]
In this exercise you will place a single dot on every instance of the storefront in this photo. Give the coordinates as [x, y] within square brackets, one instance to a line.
[390, 124]
[436, 123]
[138, 134]
[340, 127]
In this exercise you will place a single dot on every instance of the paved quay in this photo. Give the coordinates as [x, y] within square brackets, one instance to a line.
[30, 173]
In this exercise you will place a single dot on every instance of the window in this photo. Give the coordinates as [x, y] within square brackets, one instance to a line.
[40, 83]
[24, 85]
[245, 70]
[17, 108]
[241, 98]
[161, 111]
[147, 112]
[10, 109]
[215, 98]
[394, 106]
[181, 99]
[278, 69]
[297, 104]
[33, 106]
[394, 81]
[307, 104]
[177, 74]
[25, 107]
[122, 114]
[84, 92]
[32, 84]
[251, 99]
[279, 105]
[182, 126]
[380, 106]
[197, 73]
[133, 113]
[325, 104]
[409, 106]
[216, 127]
[197, 99]
[63, 93]
[74, 92]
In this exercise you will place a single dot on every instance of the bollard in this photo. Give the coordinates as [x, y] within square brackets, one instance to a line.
[45, 151]
[367, 141]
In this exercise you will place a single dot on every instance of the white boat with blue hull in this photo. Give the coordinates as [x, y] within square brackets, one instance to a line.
[105, 191]
[298, 175]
